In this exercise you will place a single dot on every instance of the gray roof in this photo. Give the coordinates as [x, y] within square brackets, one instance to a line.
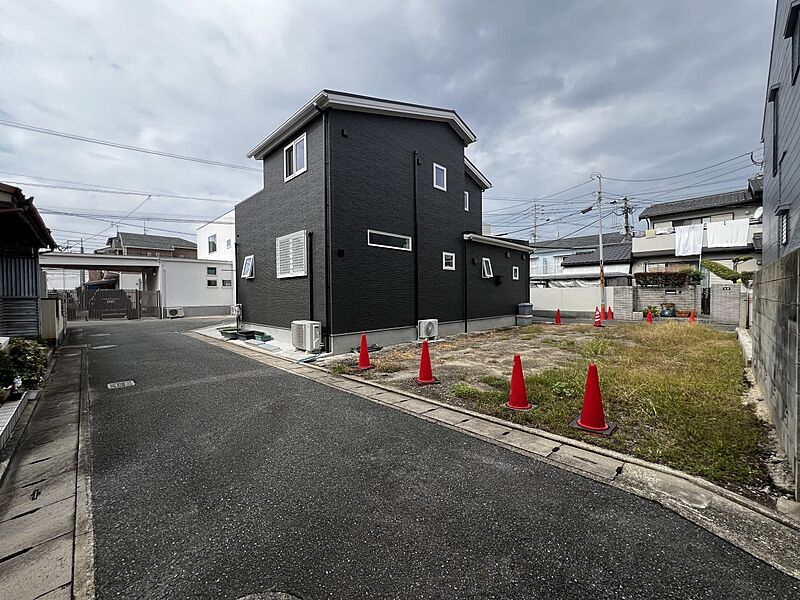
[756, 184]
[582, 241]
[614, 253]
[154, 242]
[701, 203]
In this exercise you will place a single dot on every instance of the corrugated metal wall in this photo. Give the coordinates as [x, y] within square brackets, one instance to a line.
[19, 296]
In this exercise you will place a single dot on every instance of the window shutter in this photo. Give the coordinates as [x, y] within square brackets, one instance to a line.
[290, 255]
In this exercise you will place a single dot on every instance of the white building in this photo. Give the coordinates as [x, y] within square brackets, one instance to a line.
[216, 239]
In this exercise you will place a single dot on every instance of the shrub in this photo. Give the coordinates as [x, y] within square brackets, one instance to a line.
[673, 279]
[656, 311]
[25, 359]
[727, 273]
[694, 277]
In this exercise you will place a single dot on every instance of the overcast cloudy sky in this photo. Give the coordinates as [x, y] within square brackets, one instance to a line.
[554, 91]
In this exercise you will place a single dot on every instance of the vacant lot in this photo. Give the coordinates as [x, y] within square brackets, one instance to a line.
[675, 390]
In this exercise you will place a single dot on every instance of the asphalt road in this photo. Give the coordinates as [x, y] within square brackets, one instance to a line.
[217, 477]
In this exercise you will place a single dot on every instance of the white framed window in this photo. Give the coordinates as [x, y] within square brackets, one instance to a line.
[393, 241]
[227, 283]
[211, 283]
[448, 261]
[486, 268]
[515, 273]
[290, 255]
[294, 158]
[212, 243]
[248, 267]
[228, 243]
[439, 177]
[466, 201]
[211, 271]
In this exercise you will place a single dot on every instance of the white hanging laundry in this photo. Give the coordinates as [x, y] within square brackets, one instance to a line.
[688, 240]
[728, 234]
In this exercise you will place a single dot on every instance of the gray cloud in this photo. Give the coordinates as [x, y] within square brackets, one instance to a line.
[555, 90]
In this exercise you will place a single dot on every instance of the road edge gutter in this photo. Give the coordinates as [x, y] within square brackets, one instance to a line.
[707, 505]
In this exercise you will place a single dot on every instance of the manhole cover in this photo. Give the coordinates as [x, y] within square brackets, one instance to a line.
[120, 384]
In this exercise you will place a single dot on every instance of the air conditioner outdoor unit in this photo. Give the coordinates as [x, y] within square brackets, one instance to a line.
[428, 329]
[236, 310]
[174, 311]
[307, 335]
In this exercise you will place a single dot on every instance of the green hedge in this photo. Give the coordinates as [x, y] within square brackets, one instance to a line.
[676, 279]
[727, 273]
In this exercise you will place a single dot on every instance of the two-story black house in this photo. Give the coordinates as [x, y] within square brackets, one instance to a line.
[370, 222]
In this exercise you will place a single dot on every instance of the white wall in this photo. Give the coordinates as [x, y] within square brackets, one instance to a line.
[225, 229]
[130, 281]
[183, 282]
[569, 299]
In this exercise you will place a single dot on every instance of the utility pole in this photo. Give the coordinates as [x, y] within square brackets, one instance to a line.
[83, 273]
[627, 212]
[535, 221]
[600, 236]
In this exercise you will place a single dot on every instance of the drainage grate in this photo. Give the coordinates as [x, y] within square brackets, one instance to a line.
[120, 384]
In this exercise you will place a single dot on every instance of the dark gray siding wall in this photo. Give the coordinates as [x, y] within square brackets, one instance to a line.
[372, 187]
[485, 297]
[282, 208]
[785, 187]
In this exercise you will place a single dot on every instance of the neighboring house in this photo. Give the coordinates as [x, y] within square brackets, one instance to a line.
[656, 249]
[775, 288]
[215, 239]
[575, 261]
[369, 222]
[138, 244]
[22, 284]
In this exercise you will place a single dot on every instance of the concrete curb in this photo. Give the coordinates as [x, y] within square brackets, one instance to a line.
[83, 543]
[763, 533]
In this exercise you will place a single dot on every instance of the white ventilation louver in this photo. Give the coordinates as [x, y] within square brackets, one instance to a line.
[428, 329]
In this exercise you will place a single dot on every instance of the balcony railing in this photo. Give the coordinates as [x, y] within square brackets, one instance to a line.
[663, 242]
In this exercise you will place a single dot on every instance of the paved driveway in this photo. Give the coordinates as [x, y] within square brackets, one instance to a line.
[216, 477]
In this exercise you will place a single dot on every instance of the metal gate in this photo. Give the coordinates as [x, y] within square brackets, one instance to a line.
[120, 304]
[705, 301]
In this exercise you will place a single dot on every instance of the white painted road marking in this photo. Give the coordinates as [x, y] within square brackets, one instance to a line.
[120, 384]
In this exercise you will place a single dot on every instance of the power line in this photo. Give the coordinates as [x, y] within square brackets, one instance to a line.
[140, 217]
[681, 174]
[89, 140]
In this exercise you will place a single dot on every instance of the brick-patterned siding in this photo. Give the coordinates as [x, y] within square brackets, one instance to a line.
[775, 356]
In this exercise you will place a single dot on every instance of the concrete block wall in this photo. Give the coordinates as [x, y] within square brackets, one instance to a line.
[775, 349]
[624, 303]
[684, 298]
[726, 303]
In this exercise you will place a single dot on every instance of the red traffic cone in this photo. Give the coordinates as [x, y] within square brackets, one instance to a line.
[603, 314]
[518, 396]
[558, 317]
[597, 318]
[592, 418]
[649, 317]
[692, 318]
[363, 356]
[425, 372]
[610, 314]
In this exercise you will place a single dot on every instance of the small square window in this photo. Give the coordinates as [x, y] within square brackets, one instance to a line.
[212, 243]
[228, 243]
[294, 158]
[211, 282]
[227, 283]
[439, 177]
[211, 270]
[515, 273]
[248, 267]
[486, 268]
[448, 261]
[466, 201]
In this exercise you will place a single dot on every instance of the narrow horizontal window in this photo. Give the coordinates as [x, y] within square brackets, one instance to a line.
[514, 273]
[486, 268]
[466, 201]
[439, 177]
[248, 267]
[211, 270]
[211, 282]
[448, 261]
[294, 158]
[290, 255]
[227, 283]
[381, 239]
